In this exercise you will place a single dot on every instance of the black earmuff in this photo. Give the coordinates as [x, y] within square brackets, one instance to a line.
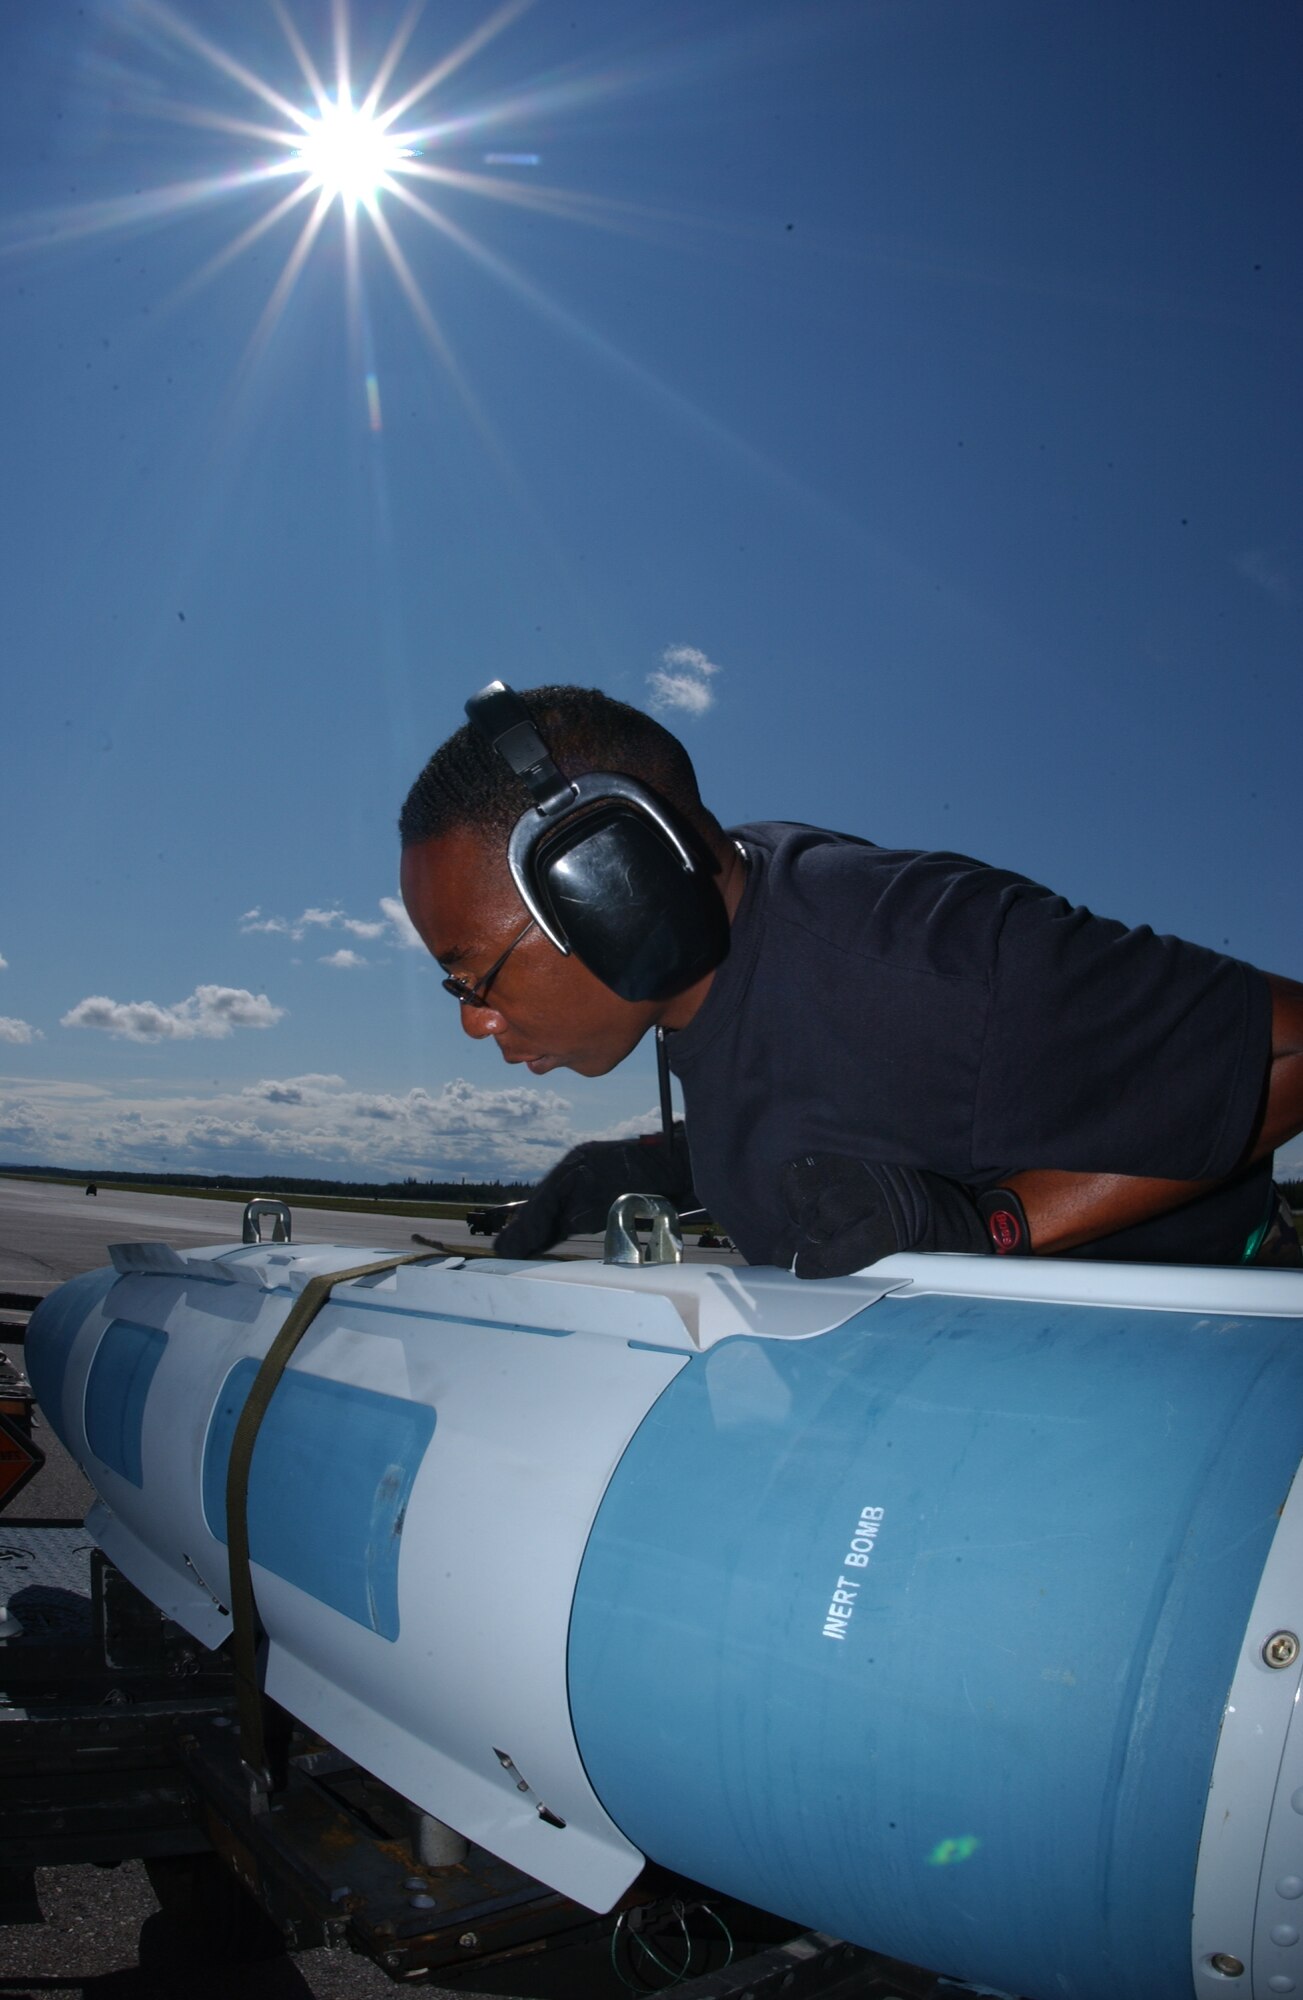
[606, 870]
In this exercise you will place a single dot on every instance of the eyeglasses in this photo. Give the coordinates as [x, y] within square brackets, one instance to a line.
[478, 994]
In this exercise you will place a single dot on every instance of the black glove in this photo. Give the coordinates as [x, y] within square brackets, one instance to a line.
[851, 1212]
[577, 1195]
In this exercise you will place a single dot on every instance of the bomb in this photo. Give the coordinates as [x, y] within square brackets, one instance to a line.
[952, 1608]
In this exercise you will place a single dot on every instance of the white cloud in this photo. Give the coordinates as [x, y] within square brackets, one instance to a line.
[642, 1126]
[683, 680]
[4, 963]
[299, 1124]
[293, 1089]
[18, 1031]
[81, 1093]
[26, 1129]
[691, 657]
[391, 926]
[344, 959]
[254, 920]
[1269, 572]
[405, 931]
[210, 1012]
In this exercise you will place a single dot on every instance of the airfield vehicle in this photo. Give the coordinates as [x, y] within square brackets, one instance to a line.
[487, 1221]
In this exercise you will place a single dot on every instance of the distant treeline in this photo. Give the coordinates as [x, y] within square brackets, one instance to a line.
[271, 1184]
[1292, 1191]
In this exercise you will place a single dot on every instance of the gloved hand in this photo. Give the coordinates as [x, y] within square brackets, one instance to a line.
[577, 1195]
[851, 1212]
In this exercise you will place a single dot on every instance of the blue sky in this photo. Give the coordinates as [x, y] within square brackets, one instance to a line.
[912, 387]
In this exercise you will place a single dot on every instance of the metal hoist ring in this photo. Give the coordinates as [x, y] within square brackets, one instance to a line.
[622, 1245]
[251, 1231]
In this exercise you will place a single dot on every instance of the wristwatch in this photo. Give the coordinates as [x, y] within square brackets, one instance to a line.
[1006, 1222]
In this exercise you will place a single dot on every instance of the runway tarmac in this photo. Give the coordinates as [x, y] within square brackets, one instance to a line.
[53, 1230]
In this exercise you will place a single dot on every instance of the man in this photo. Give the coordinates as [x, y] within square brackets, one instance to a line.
[895, 1050]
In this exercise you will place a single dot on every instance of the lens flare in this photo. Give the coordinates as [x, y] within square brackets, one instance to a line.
[364, 157]
[349, 154]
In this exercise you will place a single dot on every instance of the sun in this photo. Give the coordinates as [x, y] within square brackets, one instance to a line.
[350, 154]
[365, 153]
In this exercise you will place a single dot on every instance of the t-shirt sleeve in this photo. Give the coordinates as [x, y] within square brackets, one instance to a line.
[1110, 1050]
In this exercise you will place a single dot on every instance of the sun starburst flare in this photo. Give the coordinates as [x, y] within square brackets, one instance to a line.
[362, 155]
[346, 145]
[347, 154]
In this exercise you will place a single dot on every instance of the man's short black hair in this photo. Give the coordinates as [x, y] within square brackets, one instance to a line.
[467, 784]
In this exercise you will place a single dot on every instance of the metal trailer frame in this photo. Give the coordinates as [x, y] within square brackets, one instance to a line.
[119, 1741]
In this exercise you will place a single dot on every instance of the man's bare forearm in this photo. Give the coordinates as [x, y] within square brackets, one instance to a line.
[1066, 1210]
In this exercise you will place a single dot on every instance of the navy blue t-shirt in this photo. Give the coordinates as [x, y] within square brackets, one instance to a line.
[927, 1010]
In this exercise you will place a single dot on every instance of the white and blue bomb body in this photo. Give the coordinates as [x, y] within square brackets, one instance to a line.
[952, 1608]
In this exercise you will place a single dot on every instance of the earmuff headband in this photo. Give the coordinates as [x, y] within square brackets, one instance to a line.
[499, 714]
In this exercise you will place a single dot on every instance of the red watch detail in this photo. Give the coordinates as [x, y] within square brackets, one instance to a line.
[1006, 1223]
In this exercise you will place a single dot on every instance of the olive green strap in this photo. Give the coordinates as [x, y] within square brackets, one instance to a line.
[244, 1613]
